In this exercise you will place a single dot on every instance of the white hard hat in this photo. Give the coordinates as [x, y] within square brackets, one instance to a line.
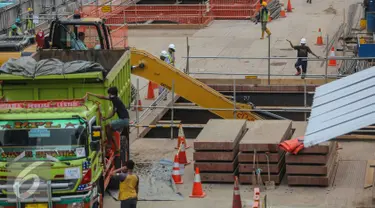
[303, 41]
[172, 46]
[164, 54]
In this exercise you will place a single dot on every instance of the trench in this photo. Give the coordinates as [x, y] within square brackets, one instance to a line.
[193, 119]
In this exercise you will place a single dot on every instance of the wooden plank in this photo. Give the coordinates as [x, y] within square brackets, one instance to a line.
[213, 156]
[218, 177]
[369, 177]
[219, 134]
[356, 137]
[265, 135]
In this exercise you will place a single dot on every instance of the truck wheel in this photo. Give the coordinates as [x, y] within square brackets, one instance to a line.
[124, 146]
[100, 193]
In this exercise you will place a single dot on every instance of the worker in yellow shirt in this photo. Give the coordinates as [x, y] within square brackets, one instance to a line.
[129, 183]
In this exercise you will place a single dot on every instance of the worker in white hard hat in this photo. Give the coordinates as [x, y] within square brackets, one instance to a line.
[171, 51]
[302, 53]
[164, 56]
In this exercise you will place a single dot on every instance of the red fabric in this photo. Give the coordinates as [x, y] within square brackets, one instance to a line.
[293, 145]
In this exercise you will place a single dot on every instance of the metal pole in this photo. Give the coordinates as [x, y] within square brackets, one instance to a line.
[188, 54]
[259, 109]
[172, 111]
[326, 69]
[305, 97]
[136, 108]
[269, 60]
[281, 58]
[276, 75]
[234, 98]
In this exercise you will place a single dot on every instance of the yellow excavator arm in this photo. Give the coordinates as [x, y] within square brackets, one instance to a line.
[156, 70]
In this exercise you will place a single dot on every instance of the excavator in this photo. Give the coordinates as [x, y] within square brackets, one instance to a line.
[146, 65]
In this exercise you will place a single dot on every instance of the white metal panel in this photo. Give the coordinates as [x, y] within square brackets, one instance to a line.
[341, 107]
[338, 84]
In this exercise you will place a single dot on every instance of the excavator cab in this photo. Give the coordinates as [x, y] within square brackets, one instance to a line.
[93, 32]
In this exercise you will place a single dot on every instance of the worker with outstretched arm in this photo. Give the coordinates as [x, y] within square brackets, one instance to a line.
[302, 53]
[117, 107]
[263, 19]
[30, 26]
[171, 51]
[129, 185]
[164, 56]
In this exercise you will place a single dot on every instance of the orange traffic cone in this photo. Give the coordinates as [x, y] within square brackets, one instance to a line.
[236, 194]
[150, 92]
[139, 105]
[282, 11]
[154, 85]
[332, 62]
[319, 39]
[176, 171]
[181, 138]
[256, 198]
[182, 155]
[289, 7]
[197, 186]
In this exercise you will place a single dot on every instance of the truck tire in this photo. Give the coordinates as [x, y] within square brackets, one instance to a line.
[124, 145]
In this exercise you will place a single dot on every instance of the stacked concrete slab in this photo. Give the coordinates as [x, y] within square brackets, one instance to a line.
[313, 166]
[264, 137]
[216, 150]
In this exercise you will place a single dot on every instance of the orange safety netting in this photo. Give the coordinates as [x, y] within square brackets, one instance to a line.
[180, 14]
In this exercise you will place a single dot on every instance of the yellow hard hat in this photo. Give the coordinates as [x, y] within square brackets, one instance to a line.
[264, 3]
[29, 9]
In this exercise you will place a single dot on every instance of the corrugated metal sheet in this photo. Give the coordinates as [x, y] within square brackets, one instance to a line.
[341, 107]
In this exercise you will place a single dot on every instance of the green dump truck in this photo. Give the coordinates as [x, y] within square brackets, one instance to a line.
[49, 127]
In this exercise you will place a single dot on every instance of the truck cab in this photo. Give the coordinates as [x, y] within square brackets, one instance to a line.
[54, 145]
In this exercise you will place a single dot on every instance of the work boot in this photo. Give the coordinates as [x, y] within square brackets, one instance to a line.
[303, 75]
[262, 35]
[268, 32]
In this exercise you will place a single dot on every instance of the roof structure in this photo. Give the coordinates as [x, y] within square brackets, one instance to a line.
[341, 107]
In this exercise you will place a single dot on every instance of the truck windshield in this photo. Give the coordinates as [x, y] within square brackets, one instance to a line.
[63, 139]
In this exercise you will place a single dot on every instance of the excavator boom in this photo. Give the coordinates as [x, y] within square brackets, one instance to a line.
[156, 70]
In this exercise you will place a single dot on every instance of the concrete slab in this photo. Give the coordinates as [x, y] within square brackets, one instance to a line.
[326, 180]
[299, 128]
[247, 178]
[220, 134]
[274, 168]
[323, 148]
[216, 166]
[266, 135]
[312, 169]
[215, 155]
[244, 157]
[218, 177]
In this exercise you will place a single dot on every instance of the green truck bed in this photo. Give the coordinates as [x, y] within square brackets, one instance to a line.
[70, 86]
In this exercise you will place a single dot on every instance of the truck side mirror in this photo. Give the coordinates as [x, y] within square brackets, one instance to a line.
[96, 133]
[95, 146]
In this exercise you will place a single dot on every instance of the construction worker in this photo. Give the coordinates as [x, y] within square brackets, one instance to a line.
[30, 26]
[118, 107]
[164, 56]
[19, 25]
[79, 44]
[171, 51]
[302, 52]
[263, 18]
[14, 31]
[129, 185]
